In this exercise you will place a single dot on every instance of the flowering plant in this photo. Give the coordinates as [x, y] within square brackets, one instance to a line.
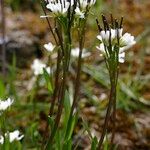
[112, 45]
[10, 136]
[69, 16]
[5, 104]
[113, 41]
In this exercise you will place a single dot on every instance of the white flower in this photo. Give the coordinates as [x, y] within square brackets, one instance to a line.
[101, 48]
[48, 69]
[85, 3]
[122, 57]
[92, 2]
[5, 104]
[15, 135]
[127, 40]
[58, 7]
[121, 53]
[79, 13]
[49, 47]
[105, 36]
[75, 52]
[37, 67]
[119, 32]
[1, 139]
[99, 37]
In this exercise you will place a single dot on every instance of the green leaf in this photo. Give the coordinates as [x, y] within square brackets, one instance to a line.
[106, 143]
[6, 144]
[100, 75]
[127, 90]
[2, 89]
[48, 80]
[85, 125]
[70, 127]
[58, 140]
[94, 143]
[63, 21]
[68, 145]
[67, 106]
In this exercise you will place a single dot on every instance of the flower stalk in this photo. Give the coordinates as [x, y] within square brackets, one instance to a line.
[112, 46]
[66, 14]
[81, 34]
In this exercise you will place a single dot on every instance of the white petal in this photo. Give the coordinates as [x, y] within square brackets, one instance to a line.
[58, 7]
[99, 37]
[1, 139]
[127, 40]
[122, 57]
[75, 53]
[124, 48]
[79, 13]
[5, 104]
[101, 48]
[15, 135]
[48, 69]
[49, 47]
[37, 67]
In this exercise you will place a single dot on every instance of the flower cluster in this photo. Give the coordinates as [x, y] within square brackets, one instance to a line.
[112, 38]
[60, 7]
[82, 6]
[5, 104]
[38, 67]
[12, 136]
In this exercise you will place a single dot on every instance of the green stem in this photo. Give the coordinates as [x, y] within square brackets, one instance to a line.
[111, 99]
[56, 84]
[56, 90]
[114, 110]
[60, 108]
[113, 123]
[66, 61]
[77, 81]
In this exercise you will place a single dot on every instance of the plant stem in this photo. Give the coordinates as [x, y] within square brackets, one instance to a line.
[56, 84]
[81, 34]
[56, 89]
[48, 22]
[60, 108]
[66, 60]
[113, 122]
[114, 110]
[111, 99]
[59, 58]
